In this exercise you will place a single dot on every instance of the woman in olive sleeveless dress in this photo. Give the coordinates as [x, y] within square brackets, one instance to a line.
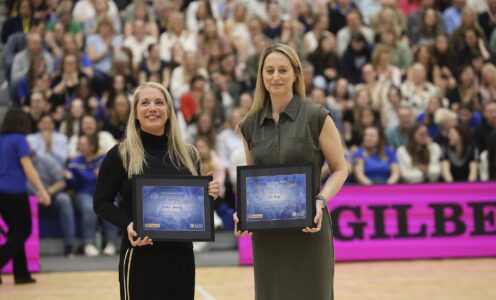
[282, 127]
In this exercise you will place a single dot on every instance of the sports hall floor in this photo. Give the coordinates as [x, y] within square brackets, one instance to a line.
[454, 279]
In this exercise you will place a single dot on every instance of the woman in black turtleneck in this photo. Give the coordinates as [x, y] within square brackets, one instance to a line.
[152, 145]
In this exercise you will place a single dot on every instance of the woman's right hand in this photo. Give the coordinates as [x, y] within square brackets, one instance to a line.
[44, 197]
[132, 235]
[236, 231]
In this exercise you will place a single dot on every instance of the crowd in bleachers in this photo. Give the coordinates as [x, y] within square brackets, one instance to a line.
[410, 84]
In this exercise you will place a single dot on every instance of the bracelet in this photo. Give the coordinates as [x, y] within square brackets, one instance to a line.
[321, 198]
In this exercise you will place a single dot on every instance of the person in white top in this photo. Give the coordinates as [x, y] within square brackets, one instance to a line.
[418, 159]
[84, 10]
[176, 34]
[139, 41]
[89, 127]
[353, 26]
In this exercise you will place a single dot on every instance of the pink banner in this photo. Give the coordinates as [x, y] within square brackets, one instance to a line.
[410, 222]
[33, 242]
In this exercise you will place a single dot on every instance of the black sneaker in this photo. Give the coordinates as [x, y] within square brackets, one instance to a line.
[25, 280]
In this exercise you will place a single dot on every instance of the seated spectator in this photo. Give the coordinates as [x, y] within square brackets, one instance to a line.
[337, 13]
[416, 90]
[273, 25]
[418, 159]
[487, 90]
[466, 90]
[138, 9]
[353, 27]
[70, 46]
[387, 73]
[481, 134]
[211, 163]
[91, 101]
[472, 46]
[319, 30]
[377, 89]
[415, 18]
[71, 26]
[102, 9]
[390, 107]
[442, 55]
[459, 161]
[38, 106]
[176, 35]
[453, 16]
[290, 35]
[66, 84]
[357, 54]
[18, 23]
[427, 117]
[89, 126]
[228, 141]
[318, 97]
[189, 101]
[468, 118]
[468, 22]
[139, 41]
[27, 83]
[203, 127]
[402, 54]
[375, 163]
[71, 124]
[51, 175]
[486, 18]
[209, 103]
[445, 120]
[152, 68]
[398, 135]
[388, 18]
[428, 29]
[182, 75]
[325, 60]
[116, 118]
[488, 160]
[48, 141]
[81, 177]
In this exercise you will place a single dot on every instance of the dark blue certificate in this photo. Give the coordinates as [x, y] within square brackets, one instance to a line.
[178, 208]
[279, 197]
[173, 208]
[275, 197]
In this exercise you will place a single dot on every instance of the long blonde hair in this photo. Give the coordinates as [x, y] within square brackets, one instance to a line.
[132, 151]
[261, 93]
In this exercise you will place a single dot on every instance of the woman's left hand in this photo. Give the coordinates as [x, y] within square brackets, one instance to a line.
[317, 220]
[213, 189]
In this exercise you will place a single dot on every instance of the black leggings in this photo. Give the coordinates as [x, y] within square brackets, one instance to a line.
[16, 213]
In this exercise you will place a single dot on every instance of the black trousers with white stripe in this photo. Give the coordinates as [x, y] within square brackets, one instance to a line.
[156, 273]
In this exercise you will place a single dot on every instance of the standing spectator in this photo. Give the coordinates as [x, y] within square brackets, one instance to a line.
[375, 162]
[459, 161]
[15, 167]
[81, 177]
[398, 135]
[418, 159]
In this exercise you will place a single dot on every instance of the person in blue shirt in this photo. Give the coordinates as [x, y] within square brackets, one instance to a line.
[15, 167]
[81, 177]
[375, 162]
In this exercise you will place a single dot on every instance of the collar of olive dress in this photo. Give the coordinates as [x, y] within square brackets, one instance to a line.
[153, 141]
[291, 110]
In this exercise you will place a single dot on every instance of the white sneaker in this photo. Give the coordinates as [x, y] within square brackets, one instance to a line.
[90, 250]
[109, 250]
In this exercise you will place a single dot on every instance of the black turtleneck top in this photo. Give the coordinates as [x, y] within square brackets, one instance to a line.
[113, 180]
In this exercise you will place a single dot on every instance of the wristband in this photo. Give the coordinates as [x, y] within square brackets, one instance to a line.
[321, 198]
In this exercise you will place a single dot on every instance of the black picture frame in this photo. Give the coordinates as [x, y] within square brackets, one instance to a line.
[169, 190]
[273, 173]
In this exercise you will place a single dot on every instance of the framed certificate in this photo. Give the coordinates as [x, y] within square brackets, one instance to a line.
[275, 197]
[173, 208]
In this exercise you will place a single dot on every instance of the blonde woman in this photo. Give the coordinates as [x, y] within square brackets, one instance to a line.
[283, 127]
[152, 145]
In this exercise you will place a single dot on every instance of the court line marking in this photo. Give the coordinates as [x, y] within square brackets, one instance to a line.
[202, 291]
